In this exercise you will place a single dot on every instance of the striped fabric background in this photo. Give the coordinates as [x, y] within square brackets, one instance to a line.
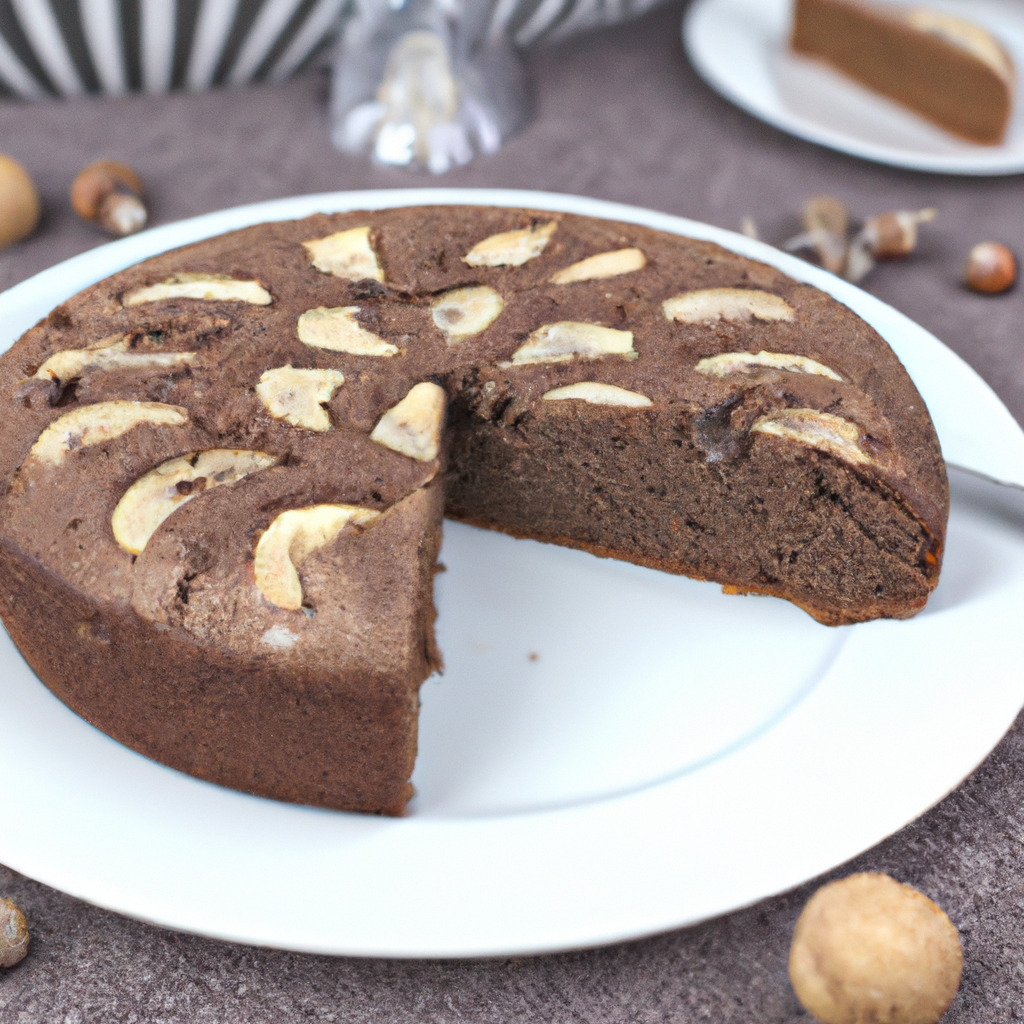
[63, 47]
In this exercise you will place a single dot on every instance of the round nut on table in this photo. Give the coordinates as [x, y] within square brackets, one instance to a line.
[13, 933]
[869, 950]
[20, 207]
[991, 268]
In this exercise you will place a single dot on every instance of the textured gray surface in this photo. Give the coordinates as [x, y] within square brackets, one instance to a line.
[621, 116]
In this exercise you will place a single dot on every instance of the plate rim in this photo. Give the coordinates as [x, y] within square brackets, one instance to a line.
[563, 829]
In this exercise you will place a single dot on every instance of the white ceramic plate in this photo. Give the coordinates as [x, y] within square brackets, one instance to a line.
[611, 752]
[740, 48]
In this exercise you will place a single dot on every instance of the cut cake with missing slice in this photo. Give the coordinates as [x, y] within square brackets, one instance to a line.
[225, 468]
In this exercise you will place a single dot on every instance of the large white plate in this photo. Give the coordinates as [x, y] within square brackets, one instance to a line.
[611, 752]
[740, 48]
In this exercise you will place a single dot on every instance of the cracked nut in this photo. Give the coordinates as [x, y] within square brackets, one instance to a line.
[156, 494]
[201, 286]
[822, 430]
[869, 948]
[413, 426]
[990, 268]
[596, 393]
[298, 396]
[603, 265]
[511, 248]
[561, 341]
[826, 224]
[706, 305]
[727, 363]
[464, 312]
[291, 538]
[20, 207]
[110, 195]
[336, 329]
[99, 422]
[889, 236]
[348, 254]
[14, 938]
[112, 353]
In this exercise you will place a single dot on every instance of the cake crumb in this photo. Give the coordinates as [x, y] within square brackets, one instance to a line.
[534, 656]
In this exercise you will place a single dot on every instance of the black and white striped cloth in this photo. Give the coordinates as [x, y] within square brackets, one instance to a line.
[65, 47]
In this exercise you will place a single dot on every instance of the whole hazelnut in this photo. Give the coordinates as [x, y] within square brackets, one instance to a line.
[990, 268]
[869, 950]
[20, 207]
[109, 194]
[13, 933]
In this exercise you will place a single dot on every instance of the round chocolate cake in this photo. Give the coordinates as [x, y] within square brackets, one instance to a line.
[225, 469]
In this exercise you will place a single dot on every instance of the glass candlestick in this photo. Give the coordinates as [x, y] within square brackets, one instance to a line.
[424, 83]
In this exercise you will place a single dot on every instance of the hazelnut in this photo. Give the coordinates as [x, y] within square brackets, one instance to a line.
[413, 426]
[727, 363]
[109, 194]
[464, 312]
[511, 248]
[20, 207]
[706, 305]
[336, 329]
[298, 396]
[596, 393]
[885, 236]
[825, 431]
[894, 234]
[826, 223]
[94, 424]
[13, 933]
[869, 949]
[219, 287]
[291, 538]
[156, 494]
[111, 353]
[561, 341]
[347, 254]
[603, 265]
[991, 268]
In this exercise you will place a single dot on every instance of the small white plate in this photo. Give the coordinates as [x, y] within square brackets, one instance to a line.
[740, 48]
[611, 752]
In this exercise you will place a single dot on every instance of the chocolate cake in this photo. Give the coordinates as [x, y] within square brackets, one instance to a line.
[225, 469]
[948, 70]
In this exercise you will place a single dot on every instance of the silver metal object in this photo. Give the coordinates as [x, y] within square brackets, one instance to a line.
[424, 83]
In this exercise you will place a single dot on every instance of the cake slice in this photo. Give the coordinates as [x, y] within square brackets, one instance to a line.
[948, 70]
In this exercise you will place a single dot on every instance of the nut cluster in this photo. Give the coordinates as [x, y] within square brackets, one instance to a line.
[990, 267]
[106, 193]
[849, 251]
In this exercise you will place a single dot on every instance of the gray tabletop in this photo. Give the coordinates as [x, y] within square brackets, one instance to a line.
[619, 115]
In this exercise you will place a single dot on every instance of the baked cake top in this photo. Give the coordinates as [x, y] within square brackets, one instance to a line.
[313, 357]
